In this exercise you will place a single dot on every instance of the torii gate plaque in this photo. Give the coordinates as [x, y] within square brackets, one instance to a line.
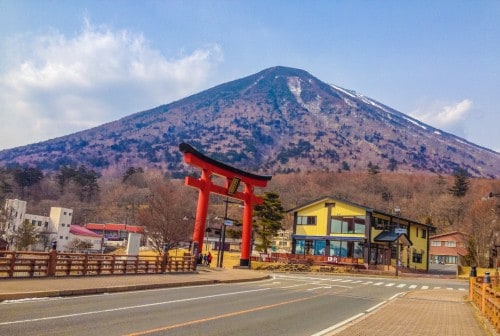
[205, 185]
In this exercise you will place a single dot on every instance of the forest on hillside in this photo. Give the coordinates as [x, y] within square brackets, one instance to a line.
[450, 203]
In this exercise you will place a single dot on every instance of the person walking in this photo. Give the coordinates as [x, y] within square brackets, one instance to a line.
[209, 259]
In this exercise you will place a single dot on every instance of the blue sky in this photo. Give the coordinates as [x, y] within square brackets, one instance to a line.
[67, 66]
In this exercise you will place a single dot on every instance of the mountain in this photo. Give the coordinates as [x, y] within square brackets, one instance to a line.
[278, 120]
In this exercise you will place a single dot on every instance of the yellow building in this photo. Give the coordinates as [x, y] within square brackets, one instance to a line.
[342, 231]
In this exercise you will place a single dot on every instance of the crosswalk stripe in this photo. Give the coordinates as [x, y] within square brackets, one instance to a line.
[322, 281]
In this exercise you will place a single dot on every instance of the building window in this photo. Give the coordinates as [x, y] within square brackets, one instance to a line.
[450, 244]
[394, 252]
[60, 237]
[46, 224]
[381, 224]
[319, 247]
[33, 221]
[299, 246]
[424, 234]
[435, 243]
[451, 259]
[346, 249]
[347, 225]
[306, 220]
[417, 257]
[338, 249]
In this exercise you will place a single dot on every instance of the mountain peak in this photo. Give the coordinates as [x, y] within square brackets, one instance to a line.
[280, 119]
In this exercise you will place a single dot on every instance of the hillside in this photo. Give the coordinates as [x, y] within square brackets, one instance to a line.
[278, 120]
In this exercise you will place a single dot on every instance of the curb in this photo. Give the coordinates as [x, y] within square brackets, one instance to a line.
[117, 289]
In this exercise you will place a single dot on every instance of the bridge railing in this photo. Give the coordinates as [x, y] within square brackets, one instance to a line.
[46, 264]
[483, 292]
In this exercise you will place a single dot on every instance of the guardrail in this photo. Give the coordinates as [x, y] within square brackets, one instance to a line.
[53, 263]
[485, 297]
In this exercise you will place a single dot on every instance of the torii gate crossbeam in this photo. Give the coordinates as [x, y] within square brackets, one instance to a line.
[205, 185]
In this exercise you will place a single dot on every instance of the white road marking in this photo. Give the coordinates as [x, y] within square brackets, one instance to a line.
[130, 307]
[293, 286]
[328, 331]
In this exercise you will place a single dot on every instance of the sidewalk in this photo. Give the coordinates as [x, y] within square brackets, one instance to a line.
[422, 312]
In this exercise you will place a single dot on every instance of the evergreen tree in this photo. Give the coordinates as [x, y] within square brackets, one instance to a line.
[26, 177]
[461, 185]
[85, 181]
[373, 169]
[25, 235]
[269, 215]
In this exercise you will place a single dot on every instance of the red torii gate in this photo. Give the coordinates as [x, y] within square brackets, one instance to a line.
[205, 185]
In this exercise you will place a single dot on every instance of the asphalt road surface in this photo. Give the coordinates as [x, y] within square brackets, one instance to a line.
[288, 304]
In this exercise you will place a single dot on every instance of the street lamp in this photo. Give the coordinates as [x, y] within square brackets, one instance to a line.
[226, 222]
[398, 213]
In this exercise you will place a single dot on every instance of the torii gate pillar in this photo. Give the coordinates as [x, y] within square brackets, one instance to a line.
[233, 177]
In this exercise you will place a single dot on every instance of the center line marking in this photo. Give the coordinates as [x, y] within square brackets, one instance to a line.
[150, 331]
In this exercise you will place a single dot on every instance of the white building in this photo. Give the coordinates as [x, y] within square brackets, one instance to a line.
[53, 228]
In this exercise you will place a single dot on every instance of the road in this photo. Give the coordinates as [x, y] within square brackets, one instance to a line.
[287, 304]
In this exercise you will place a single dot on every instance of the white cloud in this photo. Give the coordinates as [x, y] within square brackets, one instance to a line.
[449, 117]
[65, 84]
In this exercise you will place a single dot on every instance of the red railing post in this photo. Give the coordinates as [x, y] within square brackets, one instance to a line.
[164, 262]
[85, 264]
[52, 263]
[472, 281]
[12, 264]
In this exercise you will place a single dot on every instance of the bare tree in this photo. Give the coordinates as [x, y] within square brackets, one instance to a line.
[167, 214]
[482, 228]
[78, 245]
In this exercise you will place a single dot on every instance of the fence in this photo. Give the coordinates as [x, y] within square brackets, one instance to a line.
[313, 259]
[53, 263]
[485, 297]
